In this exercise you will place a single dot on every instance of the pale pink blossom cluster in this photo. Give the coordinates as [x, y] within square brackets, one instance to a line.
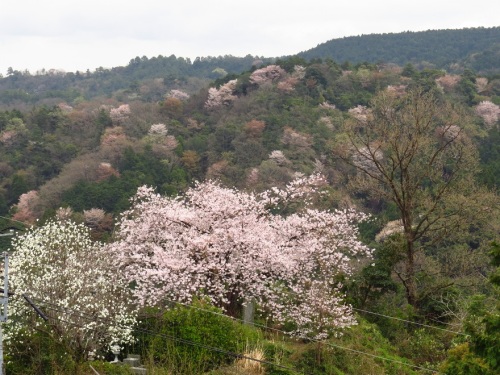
[278, 157]
[397, 90]
[392, 227]
[288, 84]
[268, 74]
[194, 124]
[360, 113]
[448, 133]
[65, 107]
[64, 213]
[93, 217]
[481, 84]
[27, 209]
[162, 143]
[222, 96]
[448, 82]
[112, 136]
[105, 171]
[326, 105]
[489, 112]
[170, 143]
[252, 177]
[178, 94]
[120, 114]
[8, 136]
[231, 247]
[366, 158]
[158, 129]
[326, 121]
[299, 72]
[294, 138]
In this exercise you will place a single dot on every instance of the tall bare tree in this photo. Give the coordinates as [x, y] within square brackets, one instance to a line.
[416, 151]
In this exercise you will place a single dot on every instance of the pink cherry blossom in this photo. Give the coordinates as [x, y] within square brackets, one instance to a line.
[232, 246]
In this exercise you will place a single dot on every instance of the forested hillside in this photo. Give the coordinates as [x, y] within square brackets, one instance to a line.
[151, 77]
[474, 48]
[353, 205]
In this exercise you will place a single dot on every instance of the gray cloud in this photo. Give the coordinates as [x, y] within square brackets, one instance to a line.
[75, 35]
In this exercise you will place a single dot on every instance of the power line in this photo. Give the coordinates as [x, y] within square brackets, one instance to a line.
[170, 337]
[307, 338]
[254, 324]
[409, 321]
[364, 311]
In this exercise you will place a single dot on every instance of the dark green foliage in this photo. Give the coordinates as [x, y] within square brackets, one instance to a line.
[376, 279]
[462, 362]
[489, 151]
[39, 354]
[220, 141]
[480, 354]
[438, 47]
[486, 337]
[192, 340]
[467, 87]
[338, 356]
[106, 368]
[113, 194]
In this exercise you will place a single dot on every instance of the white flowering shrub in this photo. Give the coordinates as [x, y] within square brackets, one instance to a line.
[74, 282]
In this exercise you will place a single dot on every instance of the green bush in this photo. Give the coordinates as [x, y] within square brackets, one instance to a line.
[461, 361]
[38, 354]
[106, 368]
[192, 340]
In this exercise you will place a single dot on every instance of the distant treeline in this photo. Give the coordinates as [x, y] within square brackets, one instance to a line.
[475, 48]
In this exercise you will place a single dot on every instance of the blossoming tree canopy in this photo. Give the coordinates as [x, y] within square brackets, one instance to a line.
[231, 246]
[74, 281]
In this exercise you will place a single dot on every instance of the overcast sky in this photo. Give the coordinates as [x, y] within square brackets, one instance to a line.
[86, 34]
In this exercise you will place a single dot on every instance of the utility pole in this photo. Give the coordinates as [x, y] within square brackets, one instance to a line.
[4, 301]
[4, 308]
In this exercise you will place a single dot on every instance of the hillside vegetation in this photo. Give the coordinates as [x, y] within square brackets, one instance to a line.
[353, 204]
[474, 48]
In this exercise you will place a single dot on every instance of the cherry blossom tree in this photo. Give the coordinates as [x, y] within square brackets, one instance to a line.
[162, 143]
[178, 94]
[294, 138]
[278, 157]
[28, 209]
[360, 113]
[268, 74]
[75, 283]
[489, 112]
[120, 114]
[232, 247]
[158, 129]
[448, 82]
[105, 171]
[222, 96]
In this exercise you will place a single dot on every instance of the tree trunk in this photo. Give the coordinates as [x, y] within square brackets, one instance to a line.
[410, 284]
